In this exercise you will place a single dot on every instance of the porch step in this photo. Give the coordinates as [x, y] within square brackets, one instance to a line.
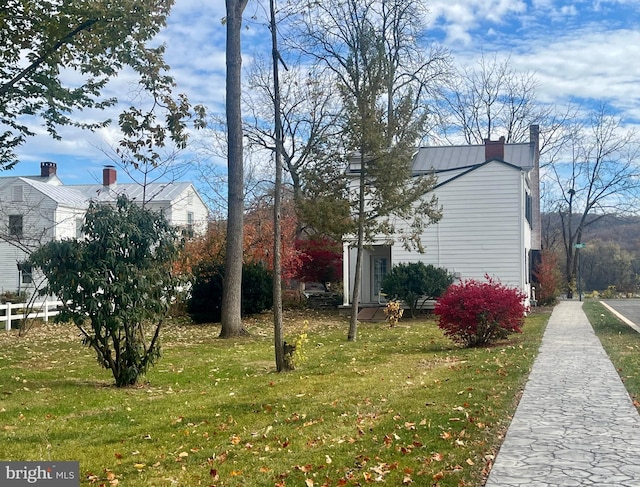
[372, 314]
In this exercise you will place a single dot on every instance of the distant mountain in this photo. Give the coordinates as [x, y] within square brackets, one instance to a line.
[624, 230]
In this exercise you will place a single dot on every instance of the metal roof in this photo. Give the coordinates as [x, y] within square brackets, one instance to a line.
[63, 195]
[155, 192]
[79, 196]
[447, 158]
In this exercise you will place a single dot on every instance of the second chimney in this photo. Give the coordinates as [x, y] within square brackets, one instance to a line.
[494, 149]
[48, 169]
[109, 176]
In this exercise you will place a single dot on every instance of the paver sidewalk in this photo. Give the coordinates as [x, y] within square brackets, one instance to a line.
[575, 424]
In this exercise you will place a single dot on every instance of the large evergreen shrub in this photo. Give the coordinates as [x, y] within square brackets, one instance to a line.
[415, 282]
[117, 284]
[206, 294]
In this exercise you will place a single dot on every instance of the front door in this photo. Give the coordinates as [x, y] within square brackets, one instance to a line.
[379, 268]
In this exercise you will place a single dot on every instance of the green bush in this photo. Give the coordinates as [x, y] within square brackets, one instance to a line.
[205, 304]
[415, 282]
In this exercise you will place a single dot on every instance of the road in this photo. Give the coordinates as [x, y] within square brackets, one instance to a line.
[628, 308]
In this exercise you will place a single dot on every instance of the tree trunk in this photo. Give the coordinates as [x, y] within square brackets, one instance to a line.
[355, 295]
[281, 363]
[231, 318]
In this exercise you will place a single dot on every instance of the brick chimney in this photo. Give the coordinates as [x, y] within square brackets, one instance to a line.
[494, 149]
[109, 176]
[536, 224]
[48, 169]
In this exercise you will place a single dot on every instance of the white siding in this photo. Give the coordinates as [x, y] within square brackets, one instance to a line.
[481, 231]
[38, 223]
[188, 202]
[66, 222]
[9, 256]
[51, 211]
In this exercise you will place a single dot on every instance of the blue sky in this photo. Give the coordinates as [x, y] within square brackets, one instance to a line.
[586, 50]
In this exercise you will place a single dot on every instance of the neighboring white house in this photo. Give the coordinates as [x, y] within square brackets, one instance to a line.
[37, 209]
[490, 199]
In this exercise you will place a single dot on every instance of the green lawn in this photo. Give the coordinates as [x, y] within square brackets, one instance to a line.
[622, 344]
[401, 405]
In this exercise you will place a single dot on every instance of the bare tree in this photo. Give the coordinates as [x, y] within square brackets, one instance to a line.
[492, 99]
[596, 175]
[281, 363]
[231, 319]
[309, 114]
[383, 80]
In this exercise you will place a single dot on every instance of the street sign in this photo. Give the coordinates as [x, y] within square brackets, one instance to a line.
[579, 245]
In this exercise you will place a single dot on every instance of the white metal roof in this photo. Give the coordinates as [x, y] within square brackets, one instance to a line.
[446, 158]
[154, 192]
[63, 195]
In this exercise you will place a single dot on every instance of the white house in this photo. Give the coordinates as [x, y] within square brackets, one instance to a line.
[490, 199]
[37, 209]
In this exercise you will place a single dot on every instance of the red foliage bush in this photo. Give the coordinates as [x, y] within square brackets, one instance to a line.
[475, 313]
[321, 260]
[549, 279]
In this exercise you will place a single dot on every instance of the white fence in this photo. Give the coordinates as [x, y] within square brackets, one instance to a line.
[16, 311]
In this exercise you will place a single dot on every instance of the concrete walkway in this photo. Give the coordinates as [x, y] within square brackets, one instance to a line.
[575, 424]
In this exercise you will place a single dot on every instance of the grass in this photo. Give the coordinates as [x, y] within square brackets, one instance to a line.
[399, 406]
[622, 344]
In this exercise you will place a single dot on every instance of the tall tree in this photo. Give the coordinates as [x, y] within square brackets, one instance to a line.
[281, 363]
[232, 293]
[308, 112]
[487, 98]
[42, 41]
[366, 47]
[596, 174]
[492, 99]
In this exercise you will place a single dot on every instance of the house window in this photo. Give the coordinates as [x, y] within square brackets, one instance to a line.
[528, 208]
[17, 193]
[27, 277]
[188, 231]
[15, 225]
[379, 265]
[25, 273]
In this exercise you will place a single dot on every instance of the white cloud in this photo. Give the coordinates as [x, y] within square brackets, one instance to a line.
[457, 19]
[588, 64]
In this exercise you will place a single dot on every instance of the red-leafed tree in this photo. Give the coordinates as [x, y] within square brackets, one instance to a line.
[258, 242]
[549, 278]
[258, 237]
[321, 260]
